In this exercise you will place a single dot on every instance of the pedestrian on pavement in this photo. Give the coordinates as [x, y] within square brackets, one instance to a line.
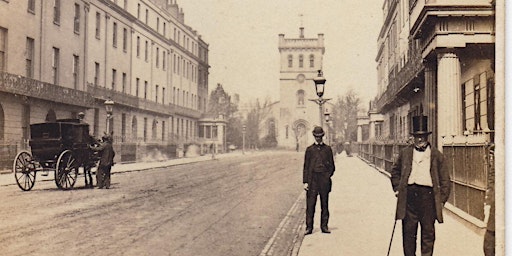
[107, 154]
[489, 237]
[318, 169]
[421, 182]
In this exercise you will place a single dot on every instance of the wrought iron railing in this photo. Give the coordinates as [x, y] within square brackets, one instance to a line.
[20, 85]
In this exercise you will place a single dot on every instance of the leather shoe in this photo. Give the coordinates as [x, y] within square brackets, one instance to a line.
[326, 230]
[309, 231]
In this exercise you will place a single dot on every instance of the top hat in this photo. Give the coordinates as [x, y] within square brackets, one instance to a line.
[419, 126]
[318, 131]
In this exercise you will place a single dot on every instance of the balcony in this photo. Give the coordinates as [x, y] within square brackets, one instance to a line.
[20, 85]
[128, 100]
[398, 81]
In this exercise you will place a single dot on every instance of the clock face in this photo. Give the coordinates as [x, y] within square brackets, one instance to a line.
[301, 78]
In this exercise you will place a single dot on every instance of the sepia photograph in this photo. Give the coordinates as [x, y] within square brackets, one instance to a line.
[253, 128]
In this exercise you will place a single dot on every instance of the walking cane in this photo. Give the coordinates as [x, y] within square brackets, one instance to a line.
[392, 234]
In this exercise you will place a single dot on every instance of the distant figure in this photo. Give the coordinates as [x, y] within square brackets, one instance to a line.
[489, 237]
[106, 161]
[347, 148]
[317, 173]
[421, 182]
[81, 117]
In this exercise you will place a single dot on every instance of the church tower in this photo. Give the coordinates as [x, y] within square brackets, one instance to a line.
[301, 58]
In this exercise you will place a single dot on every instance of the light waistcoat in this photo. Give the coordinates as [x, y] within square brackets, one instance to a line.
[420, 172]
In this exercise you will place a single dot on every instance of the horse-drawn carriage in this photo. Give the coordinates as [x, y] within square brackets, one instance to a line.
[62, 147]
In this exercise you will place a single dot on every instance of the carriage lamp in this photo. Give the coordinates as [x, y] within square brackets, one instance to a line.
[319, 83]
[319, 88]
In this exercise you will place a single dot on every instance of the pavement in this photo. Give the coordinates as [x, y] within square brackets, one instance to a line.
[362, 208]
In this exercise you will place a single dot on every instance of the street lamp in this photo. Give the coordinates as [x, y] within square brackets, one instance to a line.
[109, 107]
[319, 88]
[243, 139]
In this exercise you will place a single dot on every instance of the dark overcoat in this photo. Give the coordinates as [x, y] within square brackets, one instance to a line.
[439, 172]
[322, 153]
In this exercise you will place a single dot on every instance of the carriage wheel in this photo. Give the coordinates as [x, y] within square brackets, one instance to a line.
[24, 170]
[66, 170]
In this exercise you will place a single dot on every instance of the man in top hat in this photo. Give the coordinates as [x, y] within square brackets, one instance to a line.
[318, 169]
[421, 182]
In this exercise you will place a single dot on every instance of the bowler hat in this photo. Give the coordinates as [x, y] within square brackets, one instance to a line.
[420, 126]
[318, 131]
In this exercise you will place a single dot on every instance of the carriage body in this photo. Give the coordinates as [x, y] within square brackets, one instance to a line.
[61, 146]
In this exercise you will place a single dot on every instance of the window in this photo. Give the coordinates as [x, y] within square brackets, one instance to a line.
[125, 6]
[125, 39]
[96, 73]
[31, 6]
[137, 83]
[163, 60]
[311, 61]
[156, 93]
[77, 19]
[138, 11]
[157, 57]
[56, 12]
[55, 65]
[157, 24]
[300, 97]
[114, 74]
[145, 89]
[165, 32]
[98, 25]
[145, 129]
[163, 95]
[29, 58]
[147, 16]
[476, 111]
[76, 70]
[124, 82]
[114, 35]
[146, 52]
[301, 61]
[290, 61]
[138, 46]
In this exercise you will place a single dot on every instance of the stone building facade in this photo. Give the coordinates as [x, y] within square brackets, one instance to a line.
[294, 116]
[58, 58]
[436, 58]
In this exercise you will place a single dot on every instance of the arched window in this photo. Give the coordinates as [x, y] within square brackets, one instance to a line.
[290, 61]
[311, 61]
[301, 61]
[134, 128]
[300, 97]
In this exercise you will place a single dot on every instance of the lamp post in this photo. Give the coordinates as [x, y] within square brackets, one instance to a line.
[109, 108]
[327, 121]
[243, 139]
[319, 88]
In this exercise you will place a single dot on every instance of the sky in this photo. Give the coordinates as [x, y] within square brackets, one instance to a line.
[243, 42]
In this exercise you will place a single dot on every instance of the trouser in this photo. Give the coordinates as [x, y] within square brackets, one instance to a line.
[103, 176]
[420, 208]
[320, 185]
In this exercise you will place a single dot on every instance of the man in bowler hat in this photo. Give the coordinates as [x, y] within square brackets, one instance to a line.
[318, 169]
[421, 182]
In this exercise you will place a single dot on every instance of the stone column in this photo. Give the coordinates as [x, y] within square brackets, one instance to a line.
[448, 95]
[430, 101]
[359, 133]
[372, 130]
